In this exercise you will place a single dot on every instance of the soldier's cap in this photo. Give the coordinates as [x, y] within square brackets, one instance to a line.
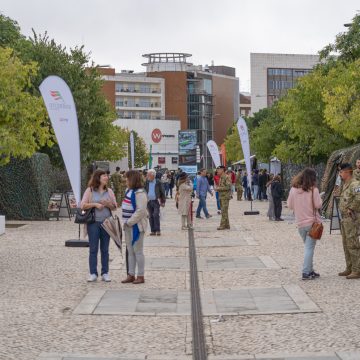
[346, 166]
[221, 167]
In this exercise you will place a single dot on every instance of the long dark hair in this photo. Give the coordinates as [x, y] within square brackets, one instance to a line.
[94, 181]
[134, 179]
[305, 180]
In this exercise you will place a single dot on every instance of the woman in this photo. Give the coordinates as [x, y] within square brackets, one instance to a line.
[305, 200]
[134, 214]
[271, 212]
[165, 179]
[99, 196]
[216, 184]
[183, 198]
[277, 192]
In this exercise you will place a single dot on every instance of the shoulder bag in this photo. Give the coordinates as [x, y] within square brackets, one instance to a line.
[85, 216]
[316, 228]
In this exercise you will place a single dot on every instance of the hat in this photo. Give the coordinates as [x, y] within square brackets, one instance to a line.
[346, 166]
[221, 167]
[183, 175]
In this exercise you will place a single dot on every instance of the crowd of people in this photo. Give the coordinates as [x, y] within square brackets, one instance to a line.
[142, 194]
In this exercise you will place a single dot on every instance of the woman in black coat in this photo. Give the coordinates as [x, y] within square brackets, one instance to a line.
[277, 192]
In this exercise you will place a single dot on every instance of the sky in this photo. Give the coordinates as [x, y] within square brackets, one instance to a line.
[118, 32]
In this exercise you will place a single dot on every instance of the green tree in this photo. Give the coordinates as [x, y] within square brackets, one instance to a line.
[141, 152]
[233, 146]
[22, 126]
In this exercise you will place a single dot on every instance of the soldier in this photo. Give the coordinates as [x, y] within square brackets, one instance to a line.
[239, 188]
[356, 174]
[349, 208]
[122, 188]
[115, 180]
[224, 190]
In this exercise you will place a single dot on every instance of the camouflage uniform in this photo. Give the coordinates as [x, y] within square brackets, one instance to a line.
[122, 188]
[224, 190]
[350, 200]
[239, 188]
[115, 181]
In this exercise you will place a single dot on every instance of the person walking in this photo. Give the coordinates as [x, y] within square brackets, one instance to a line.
[216, 184]
[349, 207]
[271, 210]
[224, 190]
[171, 183]
[134, 215]
[183, 198]
[156, 199]
[202, 188]
[239, 188]
[100, 197]
[165, 179]
[277, 192]
[304, 199]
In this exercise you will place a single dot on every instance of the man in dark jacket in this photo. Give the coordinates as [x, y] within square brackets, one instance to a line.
[263, 180]
[156, 198]
[277, 192]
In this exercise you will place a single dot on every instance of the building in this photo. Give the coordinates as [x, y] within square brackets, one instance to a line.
[245, 104]
[273, 74]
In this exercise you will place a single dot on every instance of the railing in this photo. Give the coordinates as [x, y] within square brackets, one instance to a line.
[138, 91]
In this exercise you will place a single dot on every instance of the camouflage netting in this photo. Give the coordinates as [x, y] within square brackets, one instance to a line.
[338, 157]
[25, 188]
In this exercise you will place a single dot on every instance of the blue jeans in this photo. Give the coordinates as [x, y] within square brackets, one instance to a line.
[167, 189]
[309, 249]
[217, 200]
[202, 205]
[255, 191]
[98, 234]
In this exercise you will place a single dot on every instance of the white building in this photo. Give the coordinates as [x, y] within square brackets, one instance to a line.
[273, 74]
[161, 135]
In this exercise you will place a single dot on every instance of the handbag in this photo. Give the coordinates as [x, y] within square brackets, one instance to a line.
[85, 216]
[316, 228]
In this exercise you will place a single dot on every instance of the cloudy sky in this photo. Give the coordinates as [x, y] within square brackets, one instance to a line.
[118, 32]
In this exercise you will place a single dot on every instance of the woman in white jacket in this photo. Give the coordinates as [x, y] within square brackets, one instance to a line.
[134, 215]
[183, 198]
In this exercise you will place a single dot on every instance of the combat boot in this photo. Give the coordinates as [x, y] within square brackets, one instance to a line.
[344, 273]
[354, 275]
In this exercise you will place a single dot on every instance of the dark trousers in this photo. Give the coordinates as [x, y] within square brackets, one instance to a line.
[98, 234]
[277, 207]
[154, 215]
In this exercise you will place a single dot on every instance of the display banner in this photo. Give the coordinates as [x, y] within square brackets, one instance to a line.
[214, 152]
[60, 106]
[244, 139]
[132, 149]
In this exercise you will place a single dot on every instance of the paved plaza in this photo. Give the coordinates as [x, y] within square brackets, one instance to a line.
[254, 303]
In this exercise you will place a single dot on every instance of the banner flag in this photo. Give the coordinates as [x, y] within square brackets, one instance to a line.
[245, 144]
[60, 106]
[214, 152]
[132, 149]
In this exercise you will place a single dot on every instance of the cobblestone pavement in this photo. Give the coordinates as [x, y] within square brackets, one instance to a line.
[42, 282]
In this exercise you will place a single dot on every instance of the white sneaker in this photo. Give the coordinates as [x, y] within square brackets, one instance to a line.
[92, 278]
[106, 278]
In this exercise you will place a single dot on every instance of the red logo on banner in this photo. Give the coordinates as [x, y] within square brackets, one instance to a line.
[156, 135]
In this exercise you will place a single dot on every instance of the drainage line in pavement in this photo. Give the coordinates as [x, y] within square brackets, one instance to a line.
[198, 335]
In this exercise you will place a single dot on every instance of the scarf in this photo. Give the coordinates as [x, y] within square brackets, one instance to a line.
[135, 228]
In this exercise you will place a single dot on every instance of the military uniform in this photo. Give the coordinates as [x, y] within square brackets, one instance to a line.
[350, 200]
[224, 190]
[115, 181]
[239, 188]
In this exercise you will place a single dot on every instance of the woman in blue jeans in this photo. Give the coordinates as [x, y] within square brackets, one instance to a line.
[305, 200]
[102, 198]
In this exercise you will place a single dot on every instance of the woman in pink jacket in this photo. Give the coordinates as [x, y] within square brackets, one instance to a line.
[303, 198]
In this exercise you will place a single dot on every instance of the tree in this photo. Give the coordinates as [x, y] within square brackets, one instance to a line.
[141, 152]
[22, 126]
[233, 146]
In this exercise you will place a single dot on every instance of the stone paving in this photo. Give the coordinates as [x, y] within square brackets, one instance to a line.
[254, 302]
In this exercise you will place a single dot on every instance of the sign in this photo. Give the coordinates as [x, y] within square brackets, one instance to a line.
[187, 142]
[59, 206]
[161, 160]
[244, 139]
[60, 106]
[174, 160]
[190, 170]
[156, 135]
[214, 152]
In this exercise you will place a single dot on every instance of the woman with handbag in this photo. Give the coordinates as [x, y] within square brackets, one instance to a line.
[100, 199]
[134, 214]
[183, 197]
[304, 199]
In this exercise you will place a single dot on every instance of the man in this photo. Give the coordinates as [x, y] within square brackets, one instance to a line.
[156, 198]
[224, 190]
[255, 184]
[239, 188]
[115, 180]
[202, 188]
[357, 170]
[263, 180]
[349, 207]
